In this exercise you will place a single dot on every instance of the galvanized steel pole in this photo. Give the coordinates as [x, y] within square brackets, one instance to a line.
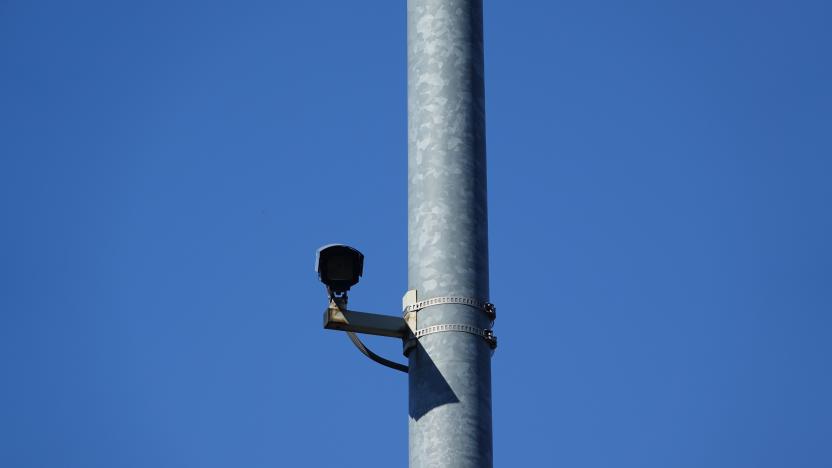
[450, 372]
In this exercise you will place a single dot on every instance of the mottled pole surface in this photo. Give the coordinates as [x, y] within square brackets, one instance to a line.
[450, 372]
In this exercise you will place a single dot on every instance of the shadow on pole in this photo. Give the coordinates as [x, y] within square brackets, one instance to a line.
[432, 387]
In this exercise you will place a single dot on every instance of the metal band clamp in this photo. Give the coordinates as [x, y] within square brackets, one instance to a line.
[487, 333]
[411, 305]
[486, 307]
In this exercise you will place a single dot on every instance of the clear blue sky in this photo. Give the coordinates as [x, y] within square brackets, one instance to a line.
[659, 188]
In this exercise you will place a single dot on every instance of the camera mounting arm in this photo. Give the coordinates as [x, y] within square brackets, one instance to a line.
[339, 318]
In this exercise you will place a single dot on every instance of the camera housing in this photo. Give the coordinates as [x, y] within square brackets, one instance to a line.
[339, 267]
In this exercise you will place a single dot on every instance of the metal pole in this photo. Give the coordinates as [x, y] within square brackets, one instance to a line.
[450, 372]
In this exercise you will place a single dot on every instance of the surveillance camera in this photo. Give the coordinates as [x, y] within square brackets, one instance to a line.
[339, 267]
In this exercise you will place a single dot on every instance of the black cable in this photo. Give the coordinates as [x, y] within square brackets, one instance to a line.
[375, 357]
[361, 346]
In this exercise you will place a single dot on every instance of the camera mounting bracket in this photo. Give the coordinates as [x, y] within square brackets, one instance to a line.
[339, 318]
[411, 306]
